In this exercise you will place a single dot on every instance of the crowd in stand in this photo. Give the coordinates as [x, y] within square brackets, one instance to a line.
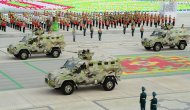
[82, 21]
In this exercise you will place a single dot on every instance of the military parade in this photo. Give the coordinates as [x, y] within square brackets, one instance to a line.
[93, 57]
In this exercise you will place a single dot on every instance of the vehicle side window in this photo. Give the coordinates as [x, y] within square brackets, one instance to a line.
[99, 63]
[105, 63]
[91, 64]
[112, 62]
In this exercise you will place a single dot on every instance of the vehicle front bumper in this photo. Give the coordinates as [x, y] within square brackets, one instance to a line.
[50, 83]
[146, 44]
[12, 51]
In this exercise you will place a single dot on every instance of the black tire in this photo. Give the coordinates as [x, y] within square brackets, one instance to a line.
[55, 53]
[147, 48]
[23, 54]
[182, 46]
[109, 84]
[157, 47]
[67, 88]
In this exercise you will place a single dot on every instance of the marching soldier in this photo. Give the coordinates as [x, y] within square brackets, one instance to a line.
[23, 26]
[173, 23]
[142, 31]
[170, 19]
[84, 30]
[68, 26]
[91, 31]
[73, 34]
[165, 20]
[153, 104]
[143, 99]
[99, 34]
[182, 26]
[3, 25]
[151, 20]
[124, 28]
[107, 24]
[147, 21]
[133, 29]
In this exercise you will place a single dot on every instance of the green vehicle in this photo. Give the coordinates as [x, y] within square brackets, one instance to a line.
[48, 44]
[82, 71]
[166, 38]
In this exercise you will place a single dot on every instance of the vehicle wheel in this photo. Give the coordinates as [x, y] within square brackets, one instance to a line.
[55, 53]
[181, 46]
[147, 48]
[157, 47]
[109, 84]
[67, 88]
[23, 54]
[172, 47]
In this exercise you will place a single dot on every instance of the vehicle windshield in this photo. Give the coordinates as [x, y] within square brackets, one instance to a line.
[156, 33]
[70, 64]
[25, 38]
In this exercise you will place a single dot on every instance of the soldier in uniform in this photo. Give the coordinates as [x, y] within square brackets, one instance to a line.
[91, 31]
[173, 21]
[142, 31]
[124, 28]
[99, 34]
[3, 25]
[84, 30]
[143, 99]
[73, 34]
[182, 26]
[133, 29]
[153, 104]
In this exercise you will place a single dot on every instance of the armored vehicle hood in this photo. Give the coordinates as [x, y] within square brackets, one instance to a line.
[56, 73]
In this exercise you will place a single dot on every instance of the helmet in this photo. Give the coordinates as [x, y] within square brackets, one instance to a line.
[154, 94]
[143, 88]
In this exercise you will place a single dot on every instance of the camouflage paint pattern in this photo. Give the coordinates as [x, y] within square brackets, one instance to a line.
[166, 37]
[84, 71]
[37, 44]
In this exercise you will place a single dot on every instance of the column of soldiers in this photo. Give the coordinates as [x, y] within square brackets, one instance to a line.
[84, 21]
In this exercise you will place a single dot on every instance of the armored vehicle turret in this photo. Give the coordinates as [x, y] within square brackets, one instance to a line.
[167, 38]
[75, 72]
[49, 44]
[85, 54]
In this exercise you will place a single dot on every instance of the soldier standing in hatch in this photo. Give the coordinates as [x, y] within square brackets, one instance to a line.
[153, 104]
[143, 99]
[99, 34]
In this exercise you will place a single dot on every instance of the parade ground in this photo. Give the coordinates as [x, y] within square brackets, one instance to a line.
[22, 85]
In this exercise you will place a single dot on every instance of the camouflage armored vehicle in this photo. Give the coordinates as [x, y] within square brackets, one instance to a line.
[48, 44]
[163, 38]
[82, 71]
